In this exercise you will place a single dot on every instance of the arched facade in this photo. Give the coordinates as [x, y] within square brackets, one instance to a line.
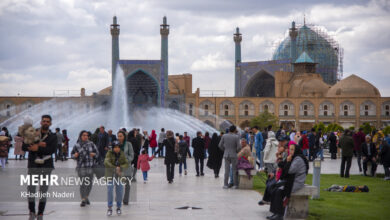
[206, 108]
[306, 108]
[247, 108]
[326, 109]
[267, 106]
[347, 108]
[367, 108]
[385, 108]
[261, 84]
[226, 108]
[7, 108]
[286, 108]
[143, 90]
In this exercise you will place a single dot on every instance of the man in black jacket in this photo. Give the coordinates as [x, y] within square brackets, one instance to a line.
[102, 143]
[40, 162]
[312, 144]
[198, 145]
[369, 154]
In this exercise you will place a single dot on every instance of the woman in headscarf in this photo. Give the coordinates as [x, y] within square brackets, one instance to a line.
[215, 155]
[295, 169]
[127, 148]
[170, 156]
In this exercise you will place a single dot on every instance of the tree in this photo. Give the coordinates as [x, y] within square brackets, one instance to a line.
[265, 119]
[386, 130]
[319, 126]
[367, 128]
[334, 127]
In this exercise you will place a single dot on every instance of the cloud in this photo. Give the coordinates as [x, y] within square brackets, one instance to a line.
[210, 62]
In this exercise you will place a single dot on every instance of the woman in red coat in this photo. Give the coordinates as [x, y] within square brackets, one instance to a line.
[153, 141]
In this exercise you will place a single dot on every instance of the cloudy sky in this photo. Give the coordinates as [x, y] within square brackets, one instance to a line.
[49, 45]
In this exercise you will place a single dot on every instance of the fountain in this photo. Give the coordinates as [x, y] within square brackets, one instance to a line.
[75, 116]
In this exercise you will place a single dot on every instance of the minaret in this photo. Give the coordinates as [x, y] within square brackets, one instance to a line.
[293, 48]
[164, 31]
[115, 47]
[237, 40]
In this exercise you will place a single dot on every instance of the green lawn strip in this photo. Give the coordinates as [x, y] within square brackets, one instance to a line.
[333, 205]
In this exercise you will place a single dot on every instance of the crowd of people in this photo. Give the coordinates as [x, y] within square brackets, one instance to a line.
[282, 155]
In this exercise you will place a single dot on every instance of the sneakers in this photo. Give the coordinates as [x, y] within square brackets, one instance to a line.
[118, 211]
[185, 172]
[109, 212]
[83, 203]
[87, 201]
[40, 217]
[225, 187]
[202, 174]
[235, 187]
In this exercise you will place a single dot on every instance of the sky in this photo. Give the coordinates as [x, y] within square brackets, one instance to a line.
[51, 46]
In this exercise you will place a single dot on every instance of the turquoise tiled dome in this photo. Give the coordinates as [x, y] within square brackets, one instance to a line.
[319, 49]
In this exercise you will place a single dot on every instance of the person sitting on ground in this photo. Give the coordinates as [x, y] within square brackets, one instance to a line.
[245, 160]
[347, 188]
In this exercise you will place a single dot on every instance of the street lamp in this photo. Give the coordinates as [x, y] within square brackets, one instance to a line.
[316, 177]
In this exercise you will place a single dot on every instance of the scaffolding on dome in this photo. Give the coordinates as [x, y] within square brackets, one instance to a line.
[321, 47]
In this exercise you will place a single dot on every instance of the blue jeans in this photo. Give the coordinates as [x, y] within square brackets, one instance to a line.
[145, 174]
[118, 192]
[153, 150]
[306, 152]
[231, 176]
[321, 153]
[259, 154]
[185, 165]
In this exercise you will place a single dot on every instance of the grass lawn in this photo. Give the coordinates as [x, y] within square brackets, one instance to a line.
[333, 205]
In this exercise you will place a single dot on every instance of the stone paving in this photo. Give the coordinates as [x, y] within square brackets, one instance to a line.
[158, 200]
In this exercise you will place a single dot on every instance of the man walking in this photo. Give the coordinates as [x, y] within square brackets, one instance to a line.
[161, 137]
[258, 145]
[230, 144]
[358, 140]
[312, 144]
[199, 146]
[346, 145]
[60, 140]
[40, 162]
[102, 143]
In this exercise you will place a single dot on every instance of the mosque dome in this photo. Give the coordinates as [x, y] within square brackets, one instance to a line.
[308, 86]
[105, 91]
[318, 46]
[353, 86]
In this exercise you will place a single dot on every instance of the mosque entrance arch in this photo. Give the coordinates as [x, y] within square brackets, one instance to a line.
[261, 84]
[142, 90]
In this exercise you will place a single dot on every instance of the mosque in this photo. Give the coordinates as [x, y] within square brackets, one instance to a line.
[302, 85]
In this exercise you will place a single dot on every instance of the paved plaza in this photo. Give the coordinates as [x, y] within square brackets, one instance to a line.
[159, 200]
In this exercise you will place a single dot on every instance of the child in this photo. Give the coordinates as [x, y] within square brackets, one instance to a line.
[3, 150]
[115, 162]
[143, 164]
